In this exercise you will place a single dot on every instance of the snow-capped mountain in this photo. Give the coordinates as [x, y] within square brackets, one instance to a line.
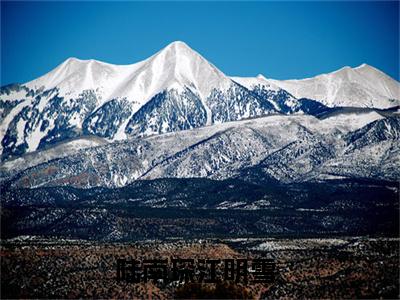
[175, 67]
[280, 99]
[363, 86]
[277, 148]
[87, 148]
[175, 89]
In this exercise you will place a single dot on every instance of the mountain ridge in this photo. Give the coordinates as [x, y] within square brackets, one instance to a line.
[361, 86]
[280, 148]
[174, 89]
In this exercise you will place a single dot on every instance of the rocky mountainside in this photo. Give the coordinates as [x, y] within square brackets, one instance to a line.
[175, 89]
[286, 149]
[171, 147]
[175, 115]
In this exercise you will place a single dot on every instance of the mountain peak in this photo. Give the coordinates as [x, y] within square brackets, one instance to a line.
[178, 63]
[178, 45]
[362, 86]
[71, 59]
[262, 77]
[178, 49]
[363, 65]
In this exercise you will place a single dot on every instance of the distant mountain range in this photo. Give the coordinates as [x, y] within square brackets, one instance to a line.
[363, 86]
[89, 123]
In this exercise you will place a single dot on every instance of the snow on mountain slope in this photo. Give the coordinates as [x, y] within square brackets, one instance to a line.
[251, 82]
[175, 66]
[373, 150]
[363, 86]
[351, 121]
[175, 89]
[284, 148]
[121, 163]
[280, 99]
[62, 150]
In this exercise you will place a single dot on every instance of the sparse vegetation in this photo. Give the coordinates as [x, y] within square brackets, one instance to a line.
[306, 268]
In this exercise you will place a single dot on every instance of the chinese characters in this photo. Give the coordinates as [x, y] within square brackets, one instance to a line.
[260, 270]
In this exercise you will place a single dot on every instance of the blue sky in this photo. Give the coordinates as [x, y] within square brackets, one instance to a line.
[278, 39]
